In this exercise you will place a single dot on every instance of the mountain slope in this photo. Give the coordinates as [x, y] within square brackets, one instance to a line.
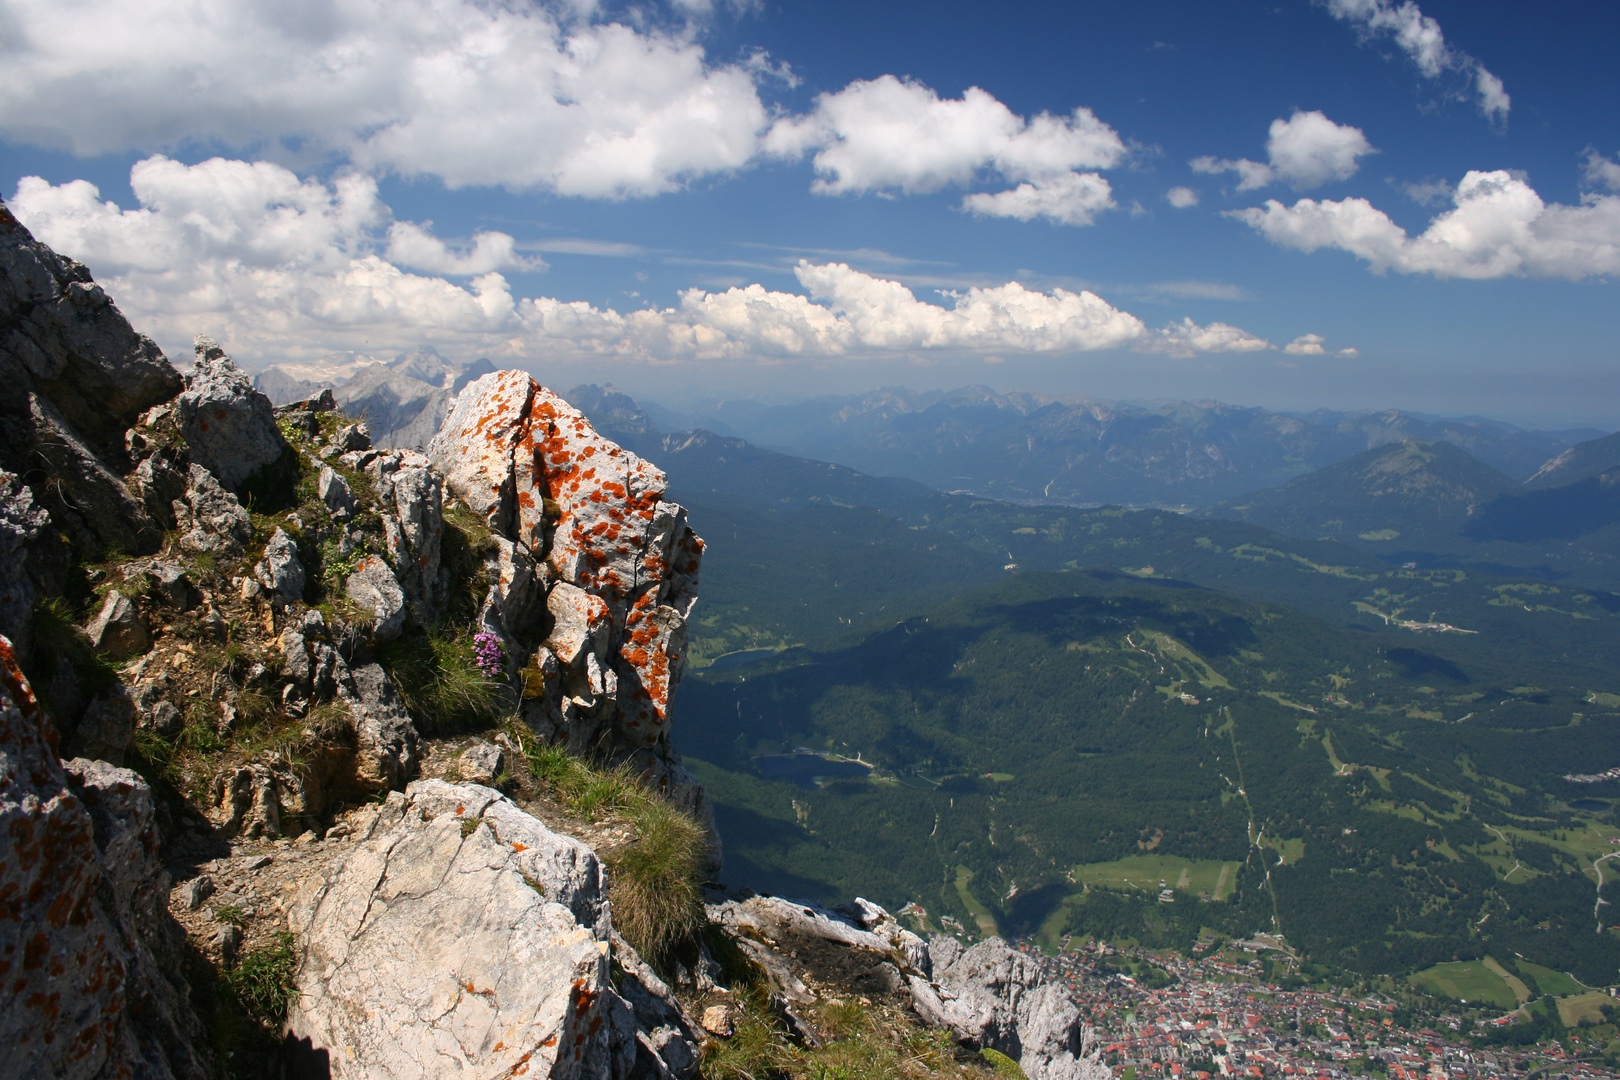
[1418, 492]
[1579, 462]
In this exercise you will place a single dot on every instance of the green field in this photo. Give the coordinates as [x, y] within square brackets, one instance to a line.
[1572, 1010]
[1154, 872]
[981, 914]
[1552, 982]
[1467, 980]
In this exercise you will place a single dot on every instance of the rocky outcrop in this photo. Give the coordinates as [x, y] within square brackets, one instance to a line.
[998, 997]
[463, 938]
[88, 953]
[73, 377]
[589, 529]
[23, 525]
[229, 426]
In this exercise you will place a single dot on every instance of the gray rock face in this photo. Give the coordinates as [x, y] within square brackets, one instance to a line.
[105, 729]
[334, 492]
[481, 763]
[374, 587]
[230, 427]
[118, 630]
[64, 340]
[463, 938]
[22, 524]
[73, 376]
[90, 895]
[280, 571]
[92, 505]
[209, 517]
[386, 755]
[1003, 999]
[172, 583]
[410, 498]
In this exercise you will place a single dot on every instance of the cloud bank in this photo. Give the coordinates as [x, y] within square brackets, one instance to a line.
[284, 268]
[1499, 227]
[529, 97]
[1419, 37]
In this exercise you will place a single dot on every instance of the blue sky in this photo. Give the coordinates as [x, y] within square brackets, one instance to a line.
[790, 199]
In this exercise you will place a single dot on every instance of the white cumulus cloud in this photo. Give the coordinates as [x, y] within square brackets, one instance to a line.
[1068, 199]
[1315, 345]
[1181, 197]
[1187, 338]
[1499, 227]
[885, 133]
[410, 244]
[888, 134]
[1306, 151]
[1599, 171]
[473, 93]
[282, 268]
[1419, 36]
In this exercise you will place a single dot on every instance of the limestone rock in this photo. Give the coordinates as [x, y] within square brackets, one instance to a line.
[481, 763]
[105, 729]
[86, 496]
[410, 497]
[374, 587]
[250, 801]
[63, 339]
[467, 935]
[334, 492]
[209, 517]
[171, 582]
[229, 426]
[281, 572]
[89, 894]
[1003, 999]
[22, 523]
[386, 754]
[118, 630]
[533, 467]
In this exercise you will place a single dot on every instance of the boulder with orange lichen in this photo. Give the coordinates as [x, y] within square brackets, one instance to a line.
[617, 563]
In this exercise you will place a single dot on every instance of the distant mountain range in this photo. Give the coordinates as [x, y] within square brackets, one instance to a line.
[404, 400]
[1027, 447]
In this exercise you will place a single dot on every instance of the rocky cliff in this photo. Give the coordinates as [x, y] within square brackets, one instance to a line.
[401, 799]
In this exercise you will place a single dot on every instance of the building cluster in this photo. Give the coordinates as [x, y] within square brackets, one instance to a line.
[1221, 1018]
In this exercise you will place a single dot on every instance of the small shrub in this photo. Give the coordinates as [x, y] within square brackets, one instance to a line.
[437, 675]
[263, 981]
[655, 886]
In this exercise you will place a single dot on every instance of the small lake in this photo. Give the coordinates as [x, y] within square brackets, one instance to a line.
[1588, 806]
[737, 659]
[808, 770]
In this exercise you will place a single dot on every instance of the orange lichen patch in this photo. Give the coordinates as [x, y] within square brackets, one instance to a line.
[520, 847]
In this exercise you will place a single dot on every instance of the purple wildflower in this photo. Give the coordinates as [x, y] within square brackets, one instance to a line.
[488, 654]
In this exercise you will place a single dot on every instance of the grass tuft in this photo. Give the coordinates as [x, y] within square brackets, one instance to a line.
[436, 675]
[263, 981]
[654, 884]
